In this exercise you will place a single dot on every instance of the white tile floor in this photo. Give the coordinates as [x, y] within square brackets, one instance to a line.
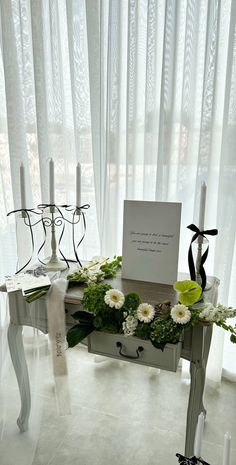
[123, 414]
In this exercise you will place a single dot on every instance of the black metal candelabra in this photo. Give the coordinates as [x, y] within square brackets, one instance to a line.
[51, 216]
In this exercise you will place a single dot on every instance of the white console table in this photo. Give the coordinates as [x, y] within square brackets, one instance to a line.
[195, 347]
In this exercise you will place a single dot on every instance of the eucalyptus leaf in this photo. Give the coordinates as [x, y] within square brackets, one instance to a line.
[77, 333]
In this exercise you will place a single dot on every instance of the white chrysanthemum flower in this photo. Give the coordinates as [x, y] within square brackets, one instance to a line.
[145, 312]
[180, 314]
[114, 298]
[129, 325]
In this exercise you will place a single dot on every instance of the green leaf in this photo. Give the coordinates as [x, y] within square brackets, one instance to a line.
[189, 291]
[35, 295]
[233, 338]
[81, 315]
[159, 345]
[37, 289]
[77, 333]
[143, 331]
[110, 268]
[132, 301]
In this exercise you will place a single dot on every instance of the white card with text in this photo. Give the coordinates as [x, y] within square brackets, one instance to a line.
[151, 233]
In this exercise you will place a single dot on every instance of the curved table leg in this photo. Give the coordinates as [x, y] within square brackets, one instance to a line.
[195, 404]
[17, 352]
[206, 350]
[201, 340]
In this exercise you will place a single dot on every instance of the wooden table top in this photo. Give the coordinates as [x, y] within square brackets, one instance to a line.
[152, 293]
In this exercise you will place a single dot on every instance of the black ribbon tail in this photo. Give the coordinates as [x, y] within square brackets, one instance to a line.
[191, 264]
[202, 270]
[73, 240]
[32, 244]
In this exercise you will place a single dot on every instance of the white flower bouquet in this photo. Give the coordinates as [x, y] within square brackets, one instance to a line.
[109, 310]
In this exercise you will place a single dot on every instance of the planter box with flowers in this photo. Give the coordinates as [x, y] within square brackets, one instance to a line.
[121, 326]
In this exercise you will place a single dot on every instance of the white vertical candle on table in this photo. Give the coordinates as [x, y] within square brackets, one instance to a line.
[202, 206]
[78, 185]
[199, 435]
[51, 182]
[22, 186]
[226, 452]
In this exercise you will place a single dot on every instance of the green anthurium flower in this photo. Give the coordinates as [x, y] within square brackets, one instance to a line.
[189, 291]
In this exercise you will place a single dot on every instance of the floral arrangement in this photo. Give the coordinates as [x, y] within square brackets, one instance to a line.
[109, 310]
[99, 269]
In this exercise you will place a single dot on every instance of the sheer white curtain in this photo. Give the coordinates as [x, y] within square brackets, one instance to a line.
[142, 93]
[45, 111]
[163, 95]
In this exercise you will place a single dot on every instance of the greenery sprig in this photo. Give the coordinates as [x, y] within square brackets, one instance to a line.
[96, 271]
[110, 268]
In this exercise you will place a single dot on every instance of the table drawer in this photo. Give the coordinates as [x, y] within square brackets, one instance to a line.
[134, 350]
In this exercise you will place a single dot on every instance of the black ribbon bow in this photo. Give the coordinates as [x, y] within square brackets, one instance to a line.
[196, 230]
[190, 461]
[185, 460]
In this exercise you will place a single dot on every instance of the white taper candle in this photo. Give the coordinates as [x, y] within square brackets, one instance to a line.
[51, 182]
[22, 186]
[226, 453]
[78, 185]
[199, 435]
[202, 206]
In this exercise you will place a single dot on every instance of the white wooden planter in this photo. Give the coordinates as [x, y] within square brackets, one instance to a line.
[133, 349]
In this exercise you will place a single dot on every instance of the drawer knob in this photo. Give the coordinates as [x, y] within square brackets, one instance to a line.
[132, 357]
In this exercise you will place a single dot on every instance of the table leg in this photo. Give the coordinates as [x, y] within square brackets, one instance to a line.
[17, 352]
[206, 350]
[195, 404]
[201, 340]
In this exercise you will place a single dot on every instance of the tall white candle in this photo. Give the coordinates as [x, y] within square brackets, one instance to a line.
[226, 453]
[78, 185]
[22, 186]
[51, 182]
[202, 206]
[199, 435]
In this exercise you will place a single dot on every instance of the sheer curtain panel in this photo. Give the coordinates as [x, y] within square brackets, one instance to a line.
[162, 92]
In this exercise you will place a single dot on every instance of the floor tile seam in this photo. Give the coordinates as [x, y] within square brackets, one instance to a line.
[125, 417]
[137, 421]
[96, 410]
